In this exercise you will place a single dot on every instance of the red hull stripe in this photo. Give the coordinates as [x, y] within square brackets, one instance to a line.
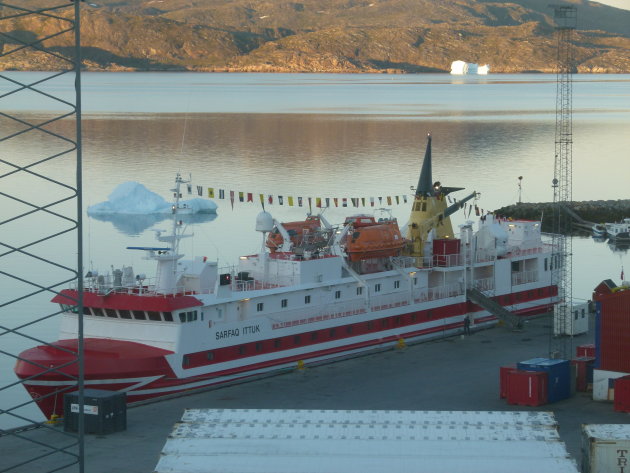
[153, 302]
[401, 322]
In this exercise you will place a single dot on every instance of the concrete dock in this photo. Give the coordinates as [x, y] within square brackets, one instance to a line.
[450, 374]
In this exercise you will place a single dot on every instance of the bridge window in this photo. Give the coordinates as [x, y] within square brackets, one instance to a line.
[168, 316]
[111, 313]
[86, 311]
[156, 315]
[140, 315]
[190, 316]
[124, 314]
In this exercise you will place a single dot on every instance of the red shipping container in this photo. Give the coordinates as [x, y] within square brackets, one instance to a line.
[503, 379]
[581, 374]
[527, 388]
[445, 251]
[614, 331]
[585, 350]
[622, 394]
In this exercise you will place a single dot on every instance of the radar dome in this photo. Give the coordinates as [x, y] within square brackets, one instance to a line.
[264, 222]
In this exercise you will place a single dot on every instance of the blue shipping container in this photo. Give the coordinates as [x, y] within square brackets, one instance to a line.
[559, 376]
[524, 365]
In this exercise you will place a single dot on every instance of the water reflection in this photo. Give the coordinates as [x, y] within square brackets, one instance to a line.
[135, 225]
[619, 246]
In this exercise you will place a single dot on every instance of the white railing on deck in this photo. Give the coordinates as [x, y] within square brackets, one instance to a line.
[486, 284]
[105, 286]
[524, 277]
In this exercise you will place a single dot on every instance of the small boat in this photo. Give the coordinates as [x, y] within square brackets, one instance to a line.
[619, 231]
[599, 230]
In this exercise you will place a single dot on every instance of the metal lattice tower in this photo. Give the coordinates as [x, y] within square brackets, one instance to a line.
[40, 221]
[560, 344]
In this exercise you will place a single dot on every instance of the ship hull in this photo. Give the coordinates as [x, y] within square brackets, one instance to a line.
[147, 373]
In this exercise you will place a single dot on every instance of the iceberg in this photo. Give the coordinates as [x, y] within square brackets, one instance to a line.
[132, 198]
[461, 68]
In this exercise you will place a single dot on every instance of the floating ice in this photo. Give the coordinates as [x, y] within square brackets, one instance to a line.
[132, 198]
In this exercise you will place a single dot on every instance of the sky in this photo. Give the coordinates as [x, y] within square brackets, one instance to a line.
[625, 4]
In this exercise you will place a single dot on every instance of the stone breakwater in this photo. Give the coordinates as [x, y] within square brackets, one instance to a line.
[584, 213]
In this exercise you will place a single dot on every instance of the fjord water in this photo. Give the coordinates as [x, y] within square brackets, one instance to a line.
[317, 135]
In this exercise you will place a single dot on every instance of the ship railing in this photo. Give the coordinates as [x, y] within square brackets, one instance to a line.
[443, 292]
[448, 261]
[252, 284]
[389, 301]
[401, 262]
[524, 277]
[144, 287]
[485, 284]
[485, 256]
[516, 251]
[308, 315]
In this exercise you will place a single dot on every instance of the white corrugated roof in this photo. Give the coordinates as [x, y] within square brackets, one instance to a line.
[607, 431]
[311, 441]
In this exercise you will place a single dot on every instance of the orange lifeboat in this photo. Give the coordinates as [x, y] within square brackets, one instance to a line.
[296, 230]
[372, 239]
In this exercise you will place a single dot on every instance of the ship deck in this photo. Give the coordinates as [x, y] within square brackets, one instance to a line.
[449, 374]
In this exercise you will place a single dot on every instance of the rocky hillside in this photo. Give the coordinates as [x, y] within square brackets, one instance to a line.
[323, 36]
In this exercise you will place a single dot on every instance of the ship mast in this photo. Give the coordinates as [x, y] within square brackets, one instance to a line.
[166, 273]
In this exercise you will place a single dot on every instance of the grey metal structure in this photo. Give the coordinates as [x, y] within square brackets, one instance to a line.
[561, 346]
[40, 220]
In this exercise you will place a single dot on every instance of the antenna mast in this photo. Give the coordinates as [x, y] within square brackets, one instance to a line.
[562, 275]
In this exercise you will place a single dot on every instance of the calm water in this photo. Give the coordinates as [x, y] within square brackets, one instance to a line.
[300, 135]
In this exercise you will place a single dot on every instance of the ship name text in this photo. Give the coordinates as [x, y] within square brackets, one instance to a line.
[236, 332]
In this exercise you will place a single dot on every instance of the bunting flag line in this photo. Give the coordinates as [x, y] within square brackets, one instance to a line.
[323, 202]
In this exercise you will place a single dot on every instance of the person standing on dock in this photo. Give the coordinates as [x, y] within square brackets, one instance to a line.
[467, 324]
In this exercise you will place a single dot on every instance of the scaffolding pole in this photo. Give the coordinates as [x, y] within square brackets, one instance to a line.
[41, 247]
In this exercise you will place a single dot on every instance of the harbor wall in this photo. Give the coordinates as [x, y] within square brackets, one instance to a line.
[584, 213]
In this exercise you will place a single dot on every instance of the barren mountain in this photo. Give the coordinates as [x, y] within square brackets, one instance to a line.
[325, 36]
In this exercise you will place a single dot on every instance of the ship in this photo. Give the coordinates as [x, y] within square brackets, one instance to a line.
[315, 293]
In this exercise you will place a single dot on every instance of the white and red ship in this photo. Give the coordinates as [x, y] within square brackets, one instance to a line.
[314, 293]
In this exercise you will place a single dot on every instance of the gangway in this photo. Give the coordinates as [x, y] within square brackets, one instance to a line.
[479, 298]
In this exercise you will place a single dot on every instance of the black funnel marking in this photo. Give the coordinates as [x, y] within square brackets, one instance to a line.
[425, 184]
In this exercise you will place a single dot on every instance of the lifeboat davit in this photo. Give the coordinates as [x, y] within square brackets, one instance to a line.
[298, 231]
[372, 239]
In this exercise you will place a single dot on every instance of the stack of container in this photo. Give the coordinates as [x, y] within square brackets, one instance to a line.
[535, 382]
[612, 337]
[559, 376]
[584, 373]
